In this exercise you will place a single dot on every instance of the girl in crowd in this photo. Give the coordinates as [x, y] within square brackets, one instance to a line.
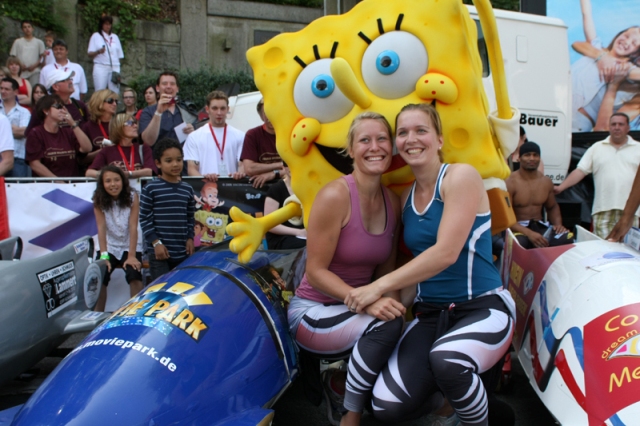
[24, 90]
[116, 206]
[129, 99]
[150, 97]
[134, 159]
[600, 66]
[463, 323]
[36, 94]
[102, 107]
[353, 230]
[106, 51]
[285, 236]
[52, 147]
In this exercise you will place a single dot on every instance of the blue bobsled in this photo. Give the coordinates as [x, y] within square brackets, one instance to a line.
[206, 344]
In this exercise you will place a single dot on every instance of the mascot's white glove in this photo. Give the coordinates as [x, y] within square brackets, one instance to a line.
[507, 131]
[297, 220]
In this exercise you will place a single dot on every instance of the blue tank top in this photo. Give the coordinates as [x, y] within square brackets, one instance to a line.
[472, 274]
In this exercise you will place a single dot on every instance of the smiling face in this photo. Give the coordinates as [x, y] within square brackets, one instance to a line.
[60, 53]
[168, 85]
[112, 183]
[627, 43]
[371, 148]
[380, 56]
[417, 138]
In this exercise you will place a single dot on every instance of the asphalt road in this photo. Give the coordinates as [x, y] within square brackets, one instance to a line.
[293, 409]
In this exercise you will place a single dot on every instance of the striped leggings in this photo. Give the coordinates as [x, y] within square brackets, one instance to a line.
[422, 365]
[334, 331]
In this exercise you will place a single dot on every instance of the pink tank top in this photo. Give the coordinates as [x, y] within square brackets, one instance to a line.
[358, 252]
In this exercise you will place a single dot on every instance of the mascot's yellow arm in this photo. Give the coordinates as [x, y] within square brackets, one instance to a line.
[248, 231]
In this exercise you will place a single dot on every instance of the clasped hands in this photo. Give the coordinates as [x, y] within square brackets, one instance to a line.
[368, 299]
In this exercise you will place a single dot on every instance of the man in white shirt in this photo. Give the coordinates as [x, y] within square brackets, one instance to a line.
[614, 163]
[6, 146]
[19, 120]
[214, 149]
[60, 53]
[29, 50]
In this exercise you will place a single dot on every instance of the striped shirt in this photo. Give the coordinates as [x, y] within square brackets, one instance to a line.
[167, 213]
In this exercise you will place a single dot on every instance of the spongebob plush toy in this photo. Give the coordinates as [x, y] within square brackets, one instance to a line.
[379, 57]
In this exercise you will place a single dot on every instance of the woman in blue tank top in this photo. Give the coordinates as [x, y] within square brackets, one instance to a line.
[464, 318]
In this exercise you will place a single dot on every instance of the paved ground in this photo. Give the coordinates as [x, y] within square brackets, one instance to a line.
[294, 409]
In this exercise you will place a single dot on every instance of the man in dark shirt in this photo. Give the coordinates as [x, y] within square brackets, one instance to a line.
[260, 157]
[159, 121]
[60, 82]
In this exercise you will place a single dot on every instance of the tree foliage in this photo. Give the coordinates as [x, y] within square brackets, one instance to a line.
[40, 12]
[195, 84]
[126, 12]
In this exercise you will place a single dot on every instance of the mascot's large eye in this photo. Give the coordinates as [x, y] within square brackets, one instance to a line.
[317, 96]
[210, 221]
[393, 63]
[218, 222]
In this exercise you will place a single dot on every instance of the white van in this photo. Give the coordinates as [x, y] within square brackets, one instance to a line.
[536, 59]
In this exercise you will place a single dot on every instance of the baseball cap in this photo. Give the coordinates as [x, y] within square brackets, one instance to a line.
[59, 75]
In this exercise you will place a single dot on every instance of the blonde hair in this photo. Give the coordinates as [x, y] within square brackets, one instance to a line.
[368, 115]
[13, 60]
[433, 115]
[116, 126]
[96, 103]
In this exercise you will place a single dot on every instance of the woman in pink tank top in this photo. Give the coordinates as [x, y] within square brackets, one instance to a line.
[352, 238]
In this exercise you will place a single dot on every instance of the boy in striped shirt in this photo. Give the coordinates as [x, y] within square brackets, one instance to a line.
[167, 208]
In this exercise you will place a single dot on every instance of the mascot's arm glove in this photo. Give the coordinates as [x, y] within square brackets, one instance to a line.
[248, 231]
[507, 131]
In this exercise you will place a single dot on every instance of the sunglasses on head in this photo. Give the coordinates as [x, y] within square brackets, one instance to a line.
[57, 106]
[111, 101]
[130, 123]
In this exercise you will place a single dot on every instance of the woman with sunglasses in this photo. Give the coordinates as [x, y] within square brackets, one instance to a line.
[134, 159]
[102, 107]
[52, 147]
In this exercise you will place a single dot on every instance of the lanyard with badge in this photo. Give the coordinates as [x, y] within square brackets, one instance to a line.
[223, 166]
[129, 165]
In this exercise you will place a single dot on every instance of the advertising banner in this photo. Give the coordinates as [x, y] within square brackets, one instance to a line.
[48, 216]
[604, 45]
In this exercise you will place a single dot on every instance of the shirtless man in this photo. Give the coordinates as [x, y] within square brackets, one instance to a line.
[530, 192]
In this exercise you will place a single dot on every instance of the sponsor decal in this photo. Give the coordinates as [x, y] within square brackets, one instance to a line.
[92, 284]
[59, 287]
[612, 362]
[134, 346]
[81, 246]
[165, 308]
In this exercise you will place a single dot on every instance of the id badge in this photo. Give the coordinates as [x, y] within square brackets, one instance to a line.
[223, 170]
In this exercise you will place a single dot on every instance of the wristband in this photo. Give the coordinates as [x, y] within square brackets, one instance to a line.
[157, 243]
[157, 114]
[599, 57]
[74, 126]
[104, 256]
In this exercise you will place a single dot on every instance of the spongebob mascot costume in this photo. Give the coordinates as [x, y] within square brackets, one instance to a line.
[380, 56]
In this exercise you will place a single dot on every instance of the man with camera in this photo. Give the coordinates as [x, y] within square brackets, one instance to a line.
[163, 120]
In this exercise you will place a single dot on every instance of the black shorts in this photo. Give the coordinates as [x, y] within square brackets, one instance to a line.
[129, 273]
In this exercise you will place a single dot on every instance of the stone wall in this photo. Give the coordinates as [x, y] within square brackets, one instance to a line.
[216, 33]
